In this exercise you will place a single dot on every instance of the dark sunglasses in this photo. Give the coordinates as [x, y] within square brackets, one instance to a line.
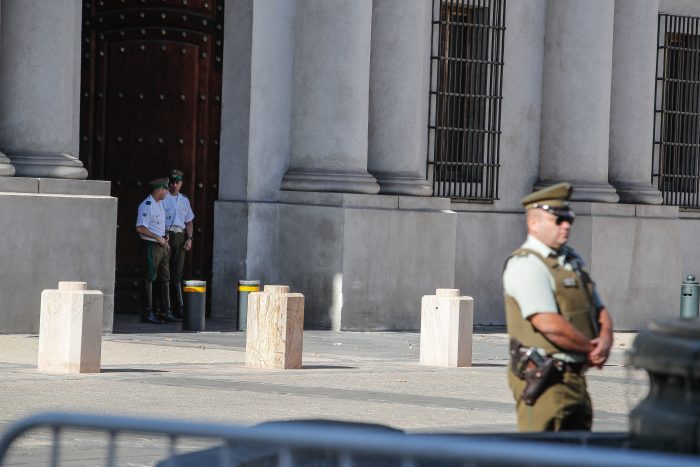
[561, 219]
[562, 215]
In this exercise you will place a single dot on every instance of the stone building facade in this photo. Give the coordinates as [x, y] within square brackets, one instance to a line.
[372, 151]
[325, 180]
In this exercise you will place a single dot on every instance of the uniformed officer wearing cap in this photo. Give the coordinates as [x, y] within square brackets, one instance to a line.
[150, 225]
[178, 224]
[554, 312]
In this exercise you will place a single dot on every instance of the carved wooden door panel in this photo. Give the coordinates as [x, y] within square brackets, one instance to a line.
[151, 87]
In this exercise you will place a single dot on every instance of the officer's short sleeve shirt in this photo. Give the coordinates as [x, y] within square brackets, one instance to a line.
[528, 281]
[178, 210]
[152, 216]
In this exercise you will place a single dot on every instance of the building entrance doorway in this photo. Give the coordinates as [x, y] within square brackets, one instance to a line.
[150, 101]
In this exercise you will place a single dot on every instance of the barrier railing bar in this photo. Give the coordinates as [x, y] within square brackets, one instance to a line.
[359, 440]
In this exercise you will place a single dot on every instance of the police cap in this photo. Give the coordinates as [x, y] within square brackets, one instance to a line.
[158, 183]
[175, 175]
[554, 199]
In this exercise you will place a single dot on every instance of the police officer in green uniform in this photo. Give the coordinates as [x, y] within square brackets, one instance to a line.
[178, 225]
[557, 323]
[150, 225]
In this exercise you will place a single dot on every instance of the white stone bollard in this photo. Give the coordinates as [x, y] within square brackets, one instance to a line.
[275, 328]
[446, 326]
[70, 329]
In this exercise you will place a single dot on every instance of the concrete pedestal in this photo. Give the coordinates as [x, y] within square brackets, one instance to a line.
[345, 287]
[275, 328]
[70, 330]
[446, 329]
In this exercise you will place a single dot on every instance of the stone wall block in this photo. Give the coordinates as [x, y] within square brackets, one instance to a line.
[70, 329]
[446, 326]
[275, 329]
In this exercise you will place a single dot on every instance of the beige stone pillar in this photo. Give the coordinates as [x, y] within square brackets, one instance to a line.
[70, 329]
[446, 325]
[40, 91]
[275, 328]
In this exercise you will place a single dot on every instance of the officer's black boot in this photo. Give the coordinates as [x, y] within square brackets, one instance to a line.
[157, 308]
[147, 316]
[165, 302]
[179, 305]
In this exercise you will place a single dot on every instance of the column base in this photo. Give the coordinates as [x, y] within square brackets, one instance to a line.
[638, 193]
[394, 184]
[6, 167]
[47, 165]
[356, 182]
[597, 192]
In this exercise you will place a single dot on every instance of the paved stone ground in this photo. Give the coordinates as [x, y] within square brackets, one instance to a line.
[157, 371]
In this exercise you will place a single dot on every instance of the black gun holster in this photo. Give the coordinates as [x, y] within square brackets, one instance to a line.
[537, 377]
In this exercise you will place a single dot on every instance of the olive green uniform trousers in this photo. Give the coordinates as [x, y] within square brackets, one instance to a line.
[157, 259]
[565, 405]
[177, 255]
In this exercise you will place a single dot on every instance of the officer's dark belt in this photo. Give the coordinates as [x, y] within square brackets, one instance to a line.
[565, 367]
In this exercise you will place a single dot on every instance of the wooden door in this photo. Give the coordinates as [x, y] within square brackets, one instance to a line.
[151, 87]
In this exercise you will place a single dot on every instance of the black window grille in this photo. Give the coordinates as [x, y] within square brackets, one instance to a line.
[466, 65]
[676, 164]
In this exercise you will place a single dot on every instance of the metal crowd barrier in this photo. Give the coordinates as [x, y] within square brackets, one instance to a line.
[292, 444]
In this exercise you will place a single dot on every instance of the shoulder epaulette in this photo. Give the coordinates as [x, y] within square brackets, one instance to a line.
[147, 203]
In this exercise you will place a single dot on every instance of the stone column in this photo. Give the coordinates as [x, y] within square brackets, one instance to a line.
[632, 102]
[6, 167]
[398, 95]
[40, 91]
[576, 97]
[331, 97]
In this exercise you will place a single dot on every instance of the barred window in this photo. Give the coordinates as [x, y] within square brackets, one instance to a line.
[466, 67]
[676, 165]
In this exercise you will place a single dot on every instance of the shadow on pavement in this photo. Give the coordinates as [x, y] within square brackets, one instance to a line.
[130, 323]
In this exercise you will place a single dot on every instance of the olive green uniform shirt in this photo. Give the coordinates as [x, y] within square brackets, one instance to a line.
[529, 282]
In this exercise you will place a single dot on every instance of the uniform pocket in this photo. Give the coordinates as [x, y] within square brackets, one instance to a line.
[581, 320]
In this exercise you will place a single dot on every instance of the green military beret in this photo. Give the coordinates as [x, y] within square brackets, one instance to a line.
[175, 175]
[158, 183]
[554, 198]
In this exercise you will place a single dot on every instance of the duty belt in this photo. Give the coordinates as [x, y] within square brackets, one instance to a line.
[174, 229]
[565, 367]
